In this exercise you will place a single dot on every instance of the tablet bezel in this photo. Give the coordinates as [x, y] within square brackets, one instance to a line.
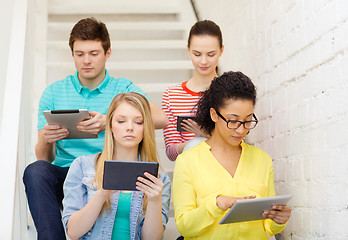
[251, 209]
[122, 175]
[69, 119]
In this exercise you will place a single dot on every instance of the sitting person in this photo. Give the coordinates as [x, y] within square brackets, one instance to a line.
[210, 177]
[91, 88]
[89, 211]
[204, 47]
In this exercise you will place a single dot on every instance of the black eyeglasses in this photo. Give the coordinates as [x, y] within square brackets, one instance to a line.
[233, 124]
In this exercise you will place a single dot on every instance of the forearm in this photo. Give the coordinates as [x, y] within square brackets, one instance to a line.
[83, 220]
[153, 226]
[159, 117]
[192, 218]
[192, 221]
[44, 150]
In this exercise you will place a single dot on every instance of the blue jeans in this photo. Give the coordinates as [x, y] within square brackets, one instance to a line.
[44, 188]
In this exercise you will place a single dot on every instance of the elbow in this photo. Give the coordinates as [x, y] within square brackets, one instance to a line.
[71, 235]
[161, 122]
[171, 157]
[186, 230]
[165, 121]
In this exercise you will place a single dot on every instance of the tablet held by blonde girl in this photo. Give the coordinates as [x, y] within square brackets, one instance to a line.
[91, 212]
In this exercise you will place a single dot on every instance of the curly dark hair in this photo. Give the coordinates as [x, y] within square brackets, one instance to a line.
[230, 85]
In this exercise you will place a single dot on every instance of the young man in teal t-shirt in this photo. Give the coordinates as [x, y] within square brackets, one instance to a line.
[91, 88]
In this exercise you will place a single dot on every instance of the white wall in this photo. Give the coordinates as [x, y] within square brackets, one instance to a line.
[5, 26]
[296, 52]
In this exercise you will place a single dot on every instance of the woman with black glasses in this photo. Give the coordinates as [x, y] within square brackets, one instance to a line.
[210, 177]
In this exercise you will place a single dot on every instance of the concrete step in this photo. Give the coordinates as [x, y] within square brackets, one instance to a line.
[155, 91]
[108, 17]
[113, 7]
[145, 50]
[161, 71]
[136, 76]
[132, 65]
[125, 30]
[120, 10]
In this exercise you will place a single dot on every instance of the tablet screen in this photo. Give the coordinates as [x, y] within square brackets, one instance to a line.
[119, 175]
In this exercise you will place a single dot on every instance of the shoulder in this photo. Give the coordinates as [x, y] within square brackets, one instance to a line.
[120, 81]
[86, 163]
[61, 83]
[193, 155]
[123, 85]
[175, 88]
[256, 153]
[56, 88]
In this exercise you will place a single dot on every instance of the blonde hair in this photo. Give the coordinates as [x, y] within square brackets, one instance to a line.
[147, 147]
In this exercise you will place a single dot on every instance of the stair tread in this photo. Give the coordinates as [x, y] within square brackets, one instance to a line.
[151, 25]
[132, 65]
[131, 44]
[104, 7]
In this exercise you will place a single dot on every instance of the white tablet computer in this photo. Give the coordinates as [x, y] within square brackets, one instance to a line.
[251, 209]
[119, 175]
[69, 119]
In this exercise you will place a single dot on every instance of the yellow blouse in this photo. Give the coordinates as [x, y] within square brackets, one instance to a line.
[199, 179]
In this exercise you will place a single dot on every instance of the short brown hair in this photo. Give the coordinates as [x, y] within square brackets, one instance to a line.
[90, 29]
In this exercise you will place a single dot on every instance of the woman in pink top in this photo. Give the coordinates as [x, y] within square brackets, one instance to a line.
[205, 48]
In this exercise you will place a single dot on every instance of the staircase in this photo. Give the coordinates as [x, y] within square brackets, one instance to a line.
[148, 42]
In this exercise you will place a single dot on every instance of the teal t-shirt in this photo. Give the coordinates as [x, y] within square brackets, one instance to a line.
[121, 229]
[70, 94]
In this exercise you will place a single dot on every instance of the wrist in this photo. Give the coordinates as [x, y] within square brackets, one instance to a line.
[102, 194]
[220, 202]
[155, 201]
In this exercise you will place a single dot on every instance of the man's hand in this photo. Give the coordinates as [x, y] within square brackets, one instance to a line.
[95, 125]
[47, 136]
[52, 133]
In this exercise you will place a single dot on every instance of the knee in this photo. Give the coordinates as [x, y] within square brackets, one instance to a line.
[36, 171]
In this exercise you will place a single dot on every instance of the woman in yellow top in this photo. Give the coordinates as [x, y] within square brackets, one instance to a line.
[210, 177]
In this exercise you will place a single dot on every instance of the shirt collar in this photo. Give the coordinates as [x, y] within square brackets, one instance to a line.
[101, 87]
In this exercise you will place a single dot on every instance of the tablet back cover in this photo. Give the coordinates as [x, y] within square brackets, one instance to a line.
[251, 209]
[69, 119]
[119, 175]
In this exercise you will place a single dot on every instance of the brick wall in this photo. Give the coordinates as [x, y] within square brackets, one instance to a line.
[296, 52]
